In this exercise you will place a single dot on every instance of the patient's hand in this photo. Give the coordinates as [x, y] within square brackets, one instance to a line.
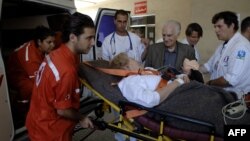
[184, 77]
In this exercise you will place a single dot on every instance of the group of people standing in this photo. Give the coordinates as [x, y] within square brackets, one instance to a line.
[227, 66]
[55, 96]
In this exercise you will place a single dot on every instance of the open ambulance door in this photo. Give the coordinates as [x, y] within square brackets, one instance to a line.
[6, 123]
[18, 18]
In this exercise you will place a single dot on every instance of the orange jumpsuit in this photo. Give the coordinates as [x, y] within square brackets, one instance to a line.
[22, 67]
[56, 87]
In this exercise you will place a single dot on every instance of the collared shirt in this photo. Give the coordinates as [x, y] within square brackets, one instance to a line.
[56, 87]
[23, 65]
[170, 57]
[231, 62]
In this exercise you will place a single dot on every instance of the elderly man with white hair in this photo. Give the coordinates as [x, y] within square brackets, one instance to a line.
[170, 52]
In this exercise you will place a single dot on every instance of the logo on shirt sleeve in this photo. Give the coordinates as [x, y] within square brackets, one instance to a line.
[241, 54]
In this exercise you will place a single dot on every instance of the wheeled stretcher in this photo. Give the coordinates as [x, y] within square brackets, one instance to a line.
[191, 112]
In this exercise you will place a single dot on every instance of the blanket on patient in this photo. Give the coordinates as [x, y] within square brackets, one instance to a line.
[194, 100]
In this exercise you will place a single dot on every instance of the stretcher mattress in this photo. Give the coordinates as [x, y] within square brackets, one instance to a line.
[194, 100]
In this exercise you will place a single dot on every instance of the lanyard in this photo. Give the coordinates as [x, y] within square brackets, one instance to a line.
[113, 39]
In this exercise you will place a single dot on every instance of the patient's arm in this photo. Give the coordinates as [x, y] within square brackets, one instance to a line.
[141, 89]
[165, 91]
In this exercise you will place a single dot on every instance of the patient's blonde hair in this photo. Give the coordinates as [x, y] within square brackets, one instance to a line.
[119, 61]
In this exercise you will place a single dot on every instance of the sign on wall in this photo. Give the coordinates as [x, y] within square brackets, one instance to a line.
[140, 7]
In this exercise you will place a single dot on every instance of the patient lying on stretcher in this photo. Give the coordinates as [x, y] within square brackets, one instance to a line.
[146, 88]
[192, 99]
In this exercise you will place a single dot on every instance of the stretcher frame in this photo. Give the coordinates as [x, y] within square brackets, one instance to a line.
[127, 126]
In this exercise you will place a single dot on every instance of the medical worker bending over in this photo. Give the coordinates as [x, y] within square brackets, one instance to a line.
[22, 68]
[24, 62]
[55, 102]
[229, 65]
[122, 41]
[144, 89]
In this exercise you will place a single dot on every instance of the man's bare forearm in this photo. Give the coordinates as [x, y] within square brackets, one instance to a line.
[70, 113]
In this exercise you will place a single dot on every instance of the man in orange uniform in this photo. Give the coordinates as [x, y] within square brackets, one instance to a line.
[54, 108]
[25, 61]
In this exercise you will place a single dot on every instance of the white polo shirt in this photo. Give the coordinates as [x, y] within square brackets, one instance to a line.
[233, 63]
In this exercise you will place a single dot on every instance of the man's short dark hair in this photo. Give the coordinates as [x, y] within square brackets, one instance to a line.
[228, 17]
[121, 12]
[245, 24]
[76, 25]
[194, 27]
